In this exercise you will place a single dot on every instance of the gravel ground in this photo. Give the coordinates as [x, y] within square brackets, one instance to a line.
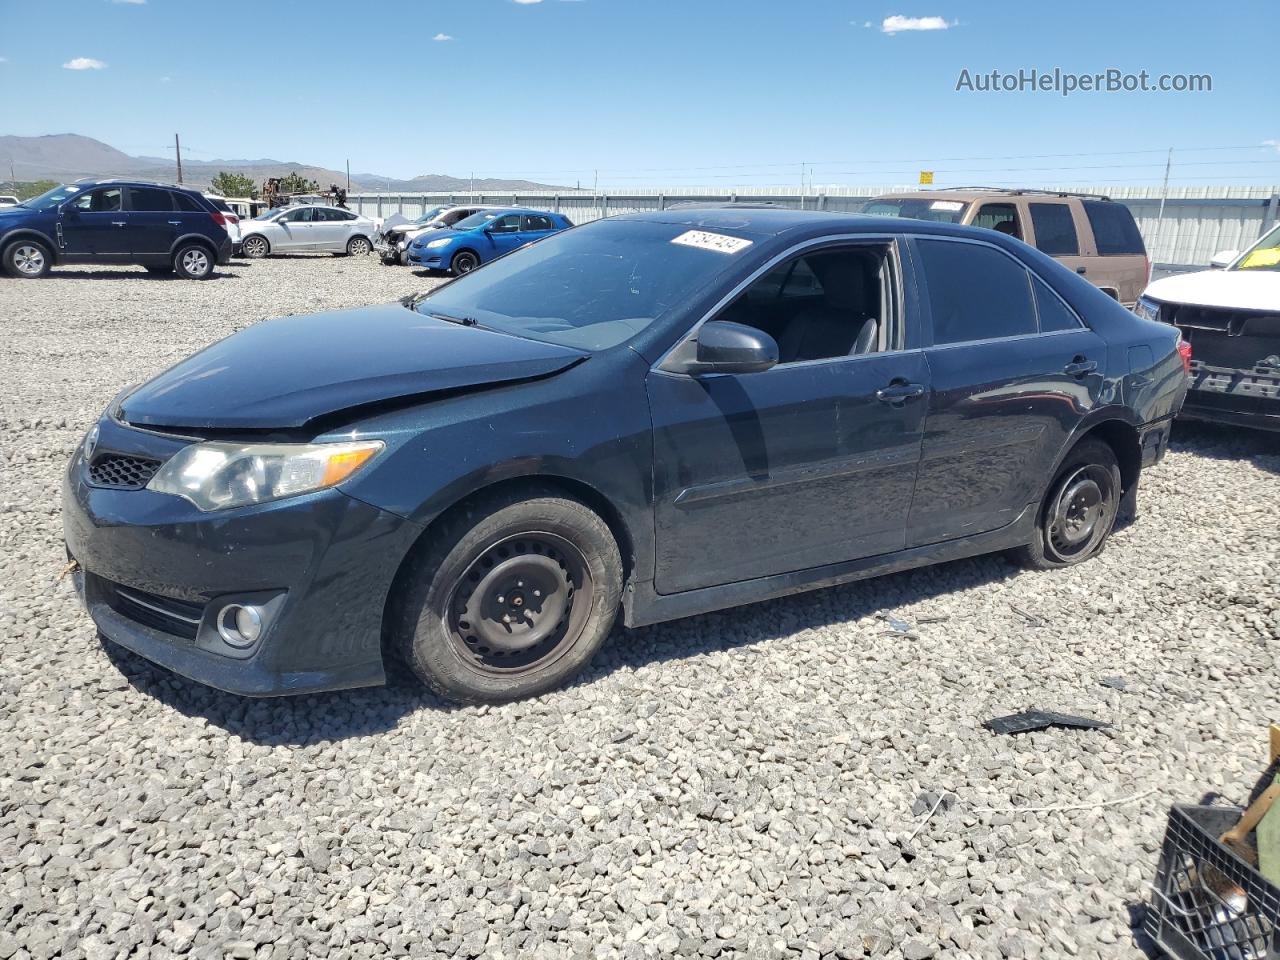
[745, 783]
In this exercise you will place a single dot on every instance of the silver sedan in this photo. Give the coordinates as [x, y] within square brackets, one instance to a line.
[305, 228]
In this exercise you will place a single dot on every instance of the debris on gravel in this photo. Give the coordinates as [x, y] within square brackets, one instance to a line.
[750, 783]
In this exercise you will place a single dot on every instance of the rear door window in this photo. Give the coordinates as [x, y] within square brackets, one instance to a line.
[186, 203]
[1114, 231]
[150, 200]
[533, 222]
[975, 292]
[1055, 229]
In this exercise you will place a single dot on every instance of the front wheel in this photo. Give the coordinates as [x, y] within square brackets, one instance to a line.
[464, 262]
[27, 259]
[193, 262]
[358, 246]
[508, 598]
[255, 247]
[1078, 512]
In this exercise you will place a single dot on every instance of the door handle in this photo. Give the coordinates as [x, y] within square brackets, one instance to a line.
[176, 223]
[1082, 270]
[118, 223]
[899, 391]
[1079, 367]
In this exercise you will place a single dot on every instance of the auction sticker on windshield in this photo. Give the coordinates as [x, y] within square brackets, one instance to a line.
[946, 205]
[712, 241]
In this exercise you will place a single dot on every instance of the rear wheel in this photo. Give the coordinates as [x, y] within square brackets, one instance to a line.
[255, 247]
[193, 261]
[27, 259]
[509, 598]
[464, 262]
[358, 246]
[1079, 511]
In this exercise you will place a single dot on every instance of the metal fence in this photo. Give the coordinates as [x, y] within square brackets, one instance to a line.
[1197, 222]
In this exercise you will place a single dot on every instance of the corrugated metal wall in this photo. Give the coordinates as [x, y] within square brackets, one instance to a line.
[1197, 221]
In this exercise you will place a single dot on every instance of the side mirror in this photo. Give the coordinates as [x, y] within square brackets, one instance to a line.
[1222, 259]
[726, 347]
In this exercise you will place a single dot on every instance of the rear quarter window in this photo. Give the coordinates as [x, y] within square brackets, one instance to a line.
[1114, 231]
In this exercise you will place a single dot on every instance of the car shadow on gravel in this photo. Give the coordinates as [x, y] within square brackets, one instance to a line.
[315, 718]
[141, 275]
[1220, 442]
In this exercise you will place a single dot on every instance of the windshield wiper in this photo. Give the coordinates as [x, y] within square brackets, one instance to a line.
[462, 321]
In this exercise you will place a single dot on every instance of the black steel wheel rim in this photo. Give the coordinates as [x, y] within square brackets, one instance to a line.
[466, 263]
[521, 603]
[1077, 517]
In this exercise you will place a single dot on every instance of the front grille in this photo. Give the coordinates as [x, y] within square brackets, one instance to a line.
[122, 472]
[177, 617]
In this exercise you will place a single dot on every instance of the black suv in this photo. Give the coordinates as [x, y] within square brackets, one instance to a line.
[163, 228]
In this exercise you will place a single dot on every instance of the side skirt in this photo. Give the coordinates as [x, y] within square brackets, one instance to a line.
[643, 606]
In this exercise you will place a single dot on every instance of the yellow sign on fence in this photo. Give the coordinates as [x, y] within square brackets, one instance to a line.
[926, 178]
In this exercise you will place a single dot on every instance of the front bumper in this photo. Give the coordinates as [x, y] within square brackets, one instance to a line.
[1235, 397]
[155, 572]
[427, 259]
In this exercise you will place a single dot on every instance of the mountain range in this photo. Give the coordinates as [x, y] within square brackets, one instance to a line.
[68, 156]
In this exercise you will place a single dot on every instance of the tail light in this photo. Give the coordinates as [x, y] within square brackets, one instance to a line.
[231, 218]
[218, 218]
[1184, 351]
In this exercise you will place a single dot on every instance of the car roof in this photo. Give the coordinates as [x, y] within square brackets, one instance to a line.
[88, 183]
[776, 221]
[983, 193]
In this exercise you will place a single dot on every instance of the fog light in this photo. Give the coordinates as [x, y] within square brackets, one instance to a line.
[240, 625]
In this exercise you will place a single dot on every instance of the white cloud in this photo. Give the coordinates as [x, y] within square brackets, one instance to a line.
[135, 3]
[1273, 144]
[165, 79]
[898, 24]
[441, 37]
[4, 59]
[528, 1]
[84, 63]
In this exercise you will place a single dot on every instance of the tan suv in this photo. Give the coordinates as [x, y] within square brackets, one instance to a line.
[1094, 236]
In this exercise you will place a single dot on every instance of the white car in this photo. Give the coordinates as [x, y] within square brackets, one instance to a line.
[307, 228]
[394, 245]
[8, 201]
[1231, 318]
[232, 218]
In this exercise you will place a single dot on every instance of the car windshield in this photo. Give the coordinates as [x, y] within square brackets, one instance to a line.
[431, 215]
[592, 287]
[476, 220]
[50, 198]
[1263, 255]
[919, 208]
[269, 213]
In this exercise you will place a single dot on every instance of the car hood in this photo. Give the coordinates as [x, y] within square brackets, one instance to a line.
[285, 373]
[1233, 289]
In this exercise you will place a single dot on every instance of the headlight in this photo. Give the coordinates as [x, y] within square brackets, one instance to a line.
[442, 242]
[215, 476]
[1147, 309]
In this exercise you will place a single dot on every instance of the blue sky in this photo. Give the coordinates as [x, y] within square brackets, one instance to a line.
[653, 91]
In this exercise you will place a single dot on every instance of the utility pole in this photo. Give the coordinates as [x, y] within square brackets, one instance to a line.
[177, 149]
[1164, 194]
[348, 174]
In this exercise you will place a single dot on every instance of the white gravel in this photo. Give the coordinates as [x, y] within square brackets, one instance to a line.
[746, 783]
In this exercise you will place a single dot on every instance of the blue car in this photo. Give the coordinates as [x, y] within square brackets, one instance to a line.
[167, 229]
[646, 417]
[483, 237]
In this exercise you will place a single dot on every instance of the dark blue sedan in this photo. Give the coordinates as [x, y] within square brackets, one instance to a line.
[650, 416]
[482, 237]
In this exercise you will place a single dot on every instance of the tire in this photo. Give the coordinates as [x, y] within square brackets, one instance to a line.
[255, 247]
[508, 597]
[1078, 512]
[464, 261]
[27, 259]
[358, 247]
[193, 261]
